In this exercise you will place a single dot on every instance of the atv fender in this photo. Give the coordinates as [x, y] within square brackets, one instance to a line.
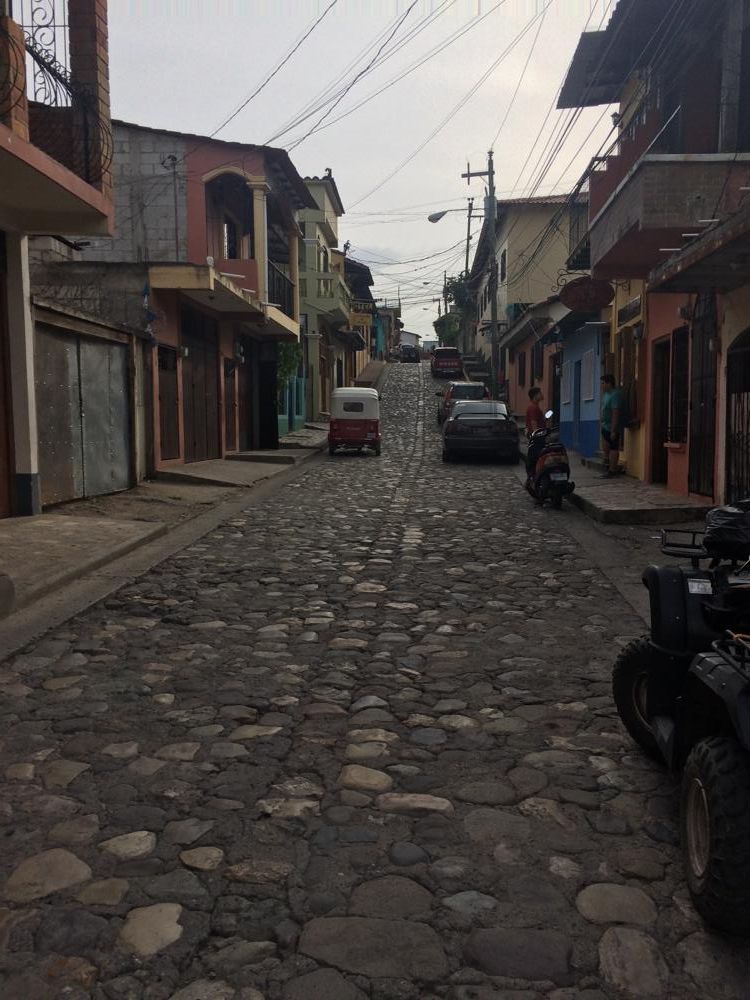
[716, 701]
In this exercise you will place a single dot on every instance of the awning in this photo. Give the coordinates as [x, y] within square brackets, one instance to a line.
[536, 322]
[352, 339]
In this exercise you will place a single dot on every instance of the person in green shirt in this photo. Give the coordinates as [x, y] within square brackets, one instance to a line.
[612, 429]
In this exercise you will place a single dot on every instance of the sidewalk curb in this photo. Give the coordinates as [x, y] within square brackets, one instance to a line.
[52, 605]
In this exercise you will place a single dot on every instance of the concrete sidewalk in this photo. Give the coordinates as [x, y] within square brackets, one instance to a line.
[625, 500]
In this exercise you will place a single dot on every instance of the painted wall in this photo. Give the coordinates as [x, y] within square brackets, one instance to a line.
[580, 430]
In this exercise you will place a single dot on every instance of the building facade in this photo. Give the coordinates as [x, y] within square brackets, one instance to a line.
[55, 157]
[672, 193]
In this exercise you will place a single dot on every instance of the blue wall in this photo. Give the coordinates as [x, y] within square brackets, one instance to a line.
[579, 417]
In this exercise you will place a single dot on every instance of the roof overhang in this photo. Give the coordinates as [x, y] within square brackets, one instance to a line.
[720, 259]
[207, 288]
[38, 195]
[351, 338]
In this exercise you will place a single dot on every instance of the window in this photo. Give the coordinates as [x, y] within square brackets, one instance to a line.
[521, 367]
[679, 385]
[588, 369]
[503, 265]
[354, 407]
[230, 239]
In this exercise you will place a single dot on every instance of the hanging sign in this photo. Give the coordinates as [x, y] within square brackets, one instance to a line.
[586, 294]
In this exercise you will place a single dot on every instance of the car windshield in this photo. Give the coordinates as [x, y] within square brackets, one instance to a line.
[467, 391]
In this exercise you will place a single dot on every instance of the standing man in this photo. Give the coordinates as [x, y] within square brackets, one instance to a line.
[535, 419]
[612, 424]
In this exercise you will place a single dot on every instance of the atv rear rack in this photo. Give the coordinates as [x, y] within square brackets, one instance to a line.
[735, 648]
[683, 544]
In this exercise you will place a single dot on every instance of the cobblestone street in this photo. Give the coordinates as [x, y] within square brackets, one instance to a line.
[357, 743]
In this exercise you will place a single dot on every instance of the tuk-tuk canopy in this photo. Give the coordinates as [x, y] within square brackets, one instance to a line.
[355, 404]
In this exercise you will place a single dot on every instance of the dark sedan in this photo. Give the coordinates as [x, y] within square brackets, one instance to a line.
[480, 427]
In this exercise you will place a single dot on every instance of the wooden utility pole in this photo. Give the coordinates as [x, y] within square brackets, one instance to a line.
[468, 235]
[490, 214]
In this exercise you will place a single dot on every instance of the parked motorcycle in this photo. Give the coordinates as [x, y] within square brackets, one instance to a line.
[683, 693]
[548, 467]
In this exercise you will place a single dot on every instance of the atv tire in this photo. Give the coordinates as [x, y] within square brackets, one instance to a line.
[629, 688]
[715, 829]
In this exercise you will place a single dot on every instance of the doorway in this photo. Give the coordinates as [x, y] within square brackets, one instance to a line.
[555, 365]
[577, 368]
[702, 445]
[660, 413]
[230, 404]
[169, 436]
[6, 463]
[200, 388]
[738, 420]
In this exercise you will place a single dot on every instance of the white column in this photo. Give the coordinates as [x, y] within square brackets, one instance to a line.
[260, 236]
[21, 363]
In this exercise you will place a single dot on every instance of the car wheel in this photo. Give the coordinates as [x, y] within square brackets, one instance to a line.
[630, 675]
[715, 827]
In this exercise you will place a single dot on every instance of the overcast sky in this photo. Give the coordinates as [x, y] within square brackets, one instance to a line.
[188, 64]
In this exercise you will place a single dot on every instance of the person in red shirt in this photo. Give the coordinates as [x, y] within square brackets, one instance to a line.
[535, 419]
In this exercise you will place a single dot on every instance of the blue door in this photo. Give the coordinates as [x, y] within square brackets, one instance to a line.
[577, 406]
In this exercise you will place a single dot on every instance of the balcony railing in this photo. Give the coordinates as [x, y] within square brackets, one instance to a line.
[63, 117]
[280, 290]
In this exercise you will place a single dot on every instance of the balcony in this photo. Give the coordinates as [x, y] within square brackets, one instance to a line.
[661, 198]
[242, 272]
[327, 292]
[55, 135]
[280, 290]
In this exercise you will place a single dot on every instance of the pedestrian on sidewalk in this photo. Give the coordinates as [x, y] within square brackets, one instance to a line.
[612, 424]
[535, 419]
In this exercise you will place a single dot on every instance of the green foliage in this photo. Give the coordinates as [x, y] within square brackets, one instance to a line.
[447, 329]
[459, 293]
[288, 362]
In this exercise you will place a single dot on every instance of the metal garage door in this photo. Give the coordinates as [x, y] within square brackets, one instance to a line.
[83, 413]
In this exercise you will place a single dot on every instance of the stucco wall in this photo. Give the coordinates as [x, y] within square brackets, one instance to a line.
[585, 436]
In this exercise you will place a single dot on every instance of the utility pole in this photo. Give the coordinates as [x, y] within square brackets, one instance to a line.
[468, 235]
[445, 291]
[490, 214]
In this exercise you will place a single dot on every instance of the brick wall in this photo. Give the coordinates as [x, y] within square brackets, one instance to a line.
[89, 67]
[144, 200]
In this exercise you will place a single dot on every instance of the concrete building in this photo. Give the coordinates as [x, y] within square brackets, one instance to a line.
[55, 155]
[519, 265]
[203, 268]
[325, 296]
[670, 194]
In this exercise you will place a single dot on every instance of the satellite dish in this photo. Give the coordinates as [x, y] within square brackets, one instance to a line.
[210, 261]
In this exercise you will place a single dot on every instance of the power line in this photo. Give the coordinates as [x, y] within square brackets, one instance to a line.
[520, 79]
[464, 100]
[359, 76]
[241, 107]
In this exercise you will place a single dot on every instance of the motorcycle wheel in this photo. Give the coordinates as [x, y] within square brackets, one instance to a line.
[629, 689]
[715, 827]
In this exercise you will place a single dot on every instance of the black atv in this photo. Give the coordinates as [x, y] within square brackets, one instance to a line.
[683, 693]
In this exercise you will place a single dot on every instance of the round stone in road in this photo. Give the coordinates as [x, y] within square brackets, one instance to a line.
[521, 954]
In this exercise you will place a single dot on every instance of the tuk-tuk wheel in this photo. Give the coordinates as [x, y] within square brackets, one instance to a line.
[377, 449]
[715, 828]
[331, 449]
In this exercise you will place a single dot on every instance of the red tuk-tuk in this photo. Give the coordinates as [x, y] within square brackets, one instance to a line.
[355, 420]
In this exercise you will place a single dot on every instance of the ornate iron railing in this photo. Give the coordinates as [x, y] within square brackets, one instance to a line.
[64, 117]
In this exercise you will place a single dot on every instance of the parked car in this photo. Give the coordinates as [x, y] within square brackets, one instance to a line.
[480, 427]
[446, 362]
[410, 353]
[456, 391]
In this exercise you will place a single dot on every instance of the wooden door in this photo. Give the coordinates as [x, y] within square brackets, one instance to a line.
[6, 456]
[169, 436]
[200, 387]
[703, 397]
[660, 411]
[230, 404]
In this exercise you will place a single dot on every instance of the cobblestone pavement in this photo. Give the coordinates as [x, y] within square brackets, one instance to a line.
[357, 743]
